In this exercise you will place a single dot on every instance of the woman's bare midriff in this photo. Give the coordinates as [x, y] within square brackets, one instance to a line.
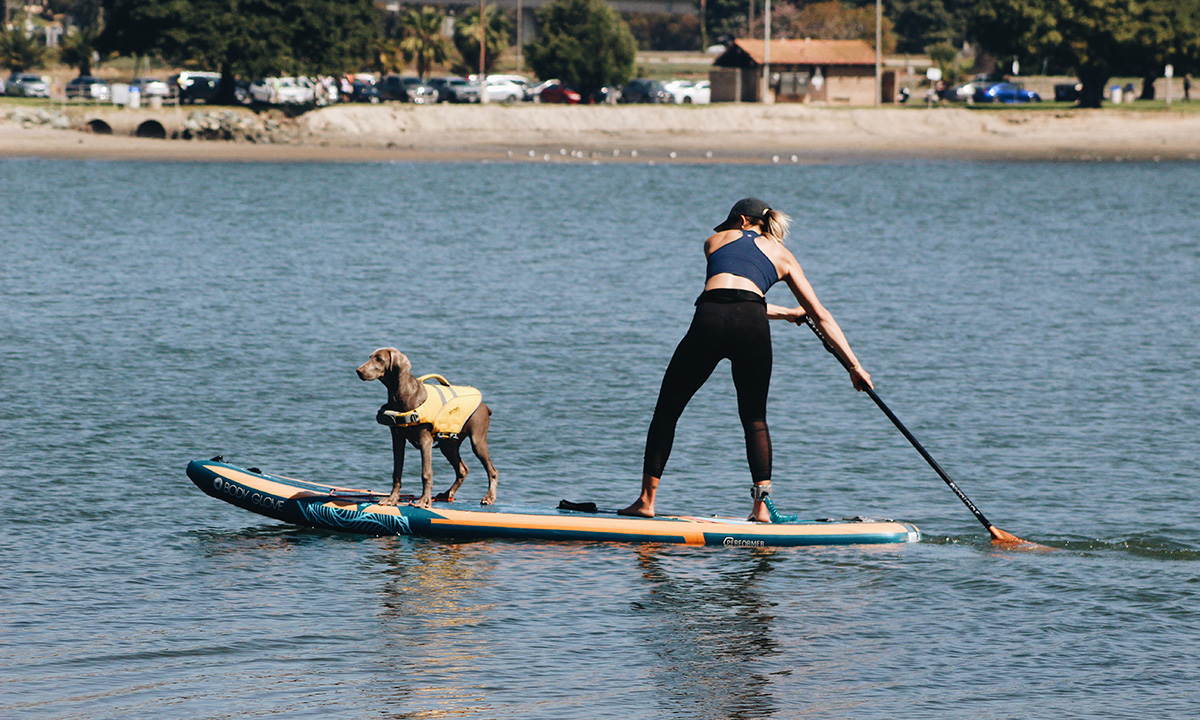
[729, 281]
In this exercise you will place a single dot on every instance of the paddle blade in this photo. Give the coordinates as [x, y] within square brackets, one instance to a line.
[1008, 541]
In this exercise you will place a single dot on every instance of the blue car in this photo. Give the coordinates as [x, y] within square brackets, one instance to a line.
[1005, 92]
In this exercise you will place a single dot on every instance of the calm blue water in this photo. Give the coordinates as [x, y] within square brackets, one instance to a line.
[1035, 325]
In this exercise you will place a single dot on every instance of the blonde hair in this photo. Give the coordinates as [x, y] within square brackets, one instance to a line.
[774, 225]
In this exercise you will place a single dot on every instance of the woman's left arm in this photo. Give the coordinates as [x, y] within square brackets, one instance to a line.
[792, 315]
[811, 306]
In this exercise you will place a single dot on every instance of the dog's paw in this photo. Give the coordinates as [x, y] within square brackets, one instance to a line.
[444, 497]
[423, 502]
[488, 499]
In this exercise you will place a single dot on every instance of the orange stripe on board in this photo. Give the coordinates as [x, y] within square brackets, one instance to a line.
[689, 533]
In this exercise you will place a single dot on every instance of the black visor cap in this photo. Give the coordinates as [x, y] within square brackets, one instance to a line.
[750, 207]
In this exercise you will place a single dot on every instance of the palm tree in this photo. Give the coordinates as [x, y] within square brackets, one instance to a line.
[421, 38]
[386, 56]
[77, 49]
[19, 52]
[466, 37]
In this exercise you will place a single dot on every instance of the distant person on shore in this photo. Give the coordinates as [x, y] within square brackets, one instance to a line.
[1187, 87]
[745, 257]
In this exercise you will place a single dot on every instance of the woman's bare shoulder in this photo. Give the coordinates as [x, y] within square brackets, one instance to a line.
[780, 255]
[720, 239]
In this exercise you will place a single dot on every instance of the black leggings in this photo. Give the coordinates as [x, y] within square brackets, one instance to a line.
[728, 324]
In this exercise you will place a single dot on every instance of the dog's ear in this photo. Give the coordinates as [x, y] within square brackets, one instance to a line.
[396, 361]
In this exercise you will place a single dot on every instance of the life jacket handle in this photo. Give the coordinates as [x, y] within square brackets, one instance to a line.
[434, 376]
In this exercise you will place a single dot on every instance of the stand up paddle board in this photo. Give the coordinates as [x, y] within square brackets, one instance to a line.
[330, 507]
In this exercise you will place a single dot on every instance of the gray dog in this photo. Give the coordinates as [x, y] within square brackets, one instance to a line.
[420, 414]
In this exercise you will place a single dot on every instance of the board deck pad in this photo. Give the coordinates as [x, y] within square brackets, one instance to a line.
[331, 507]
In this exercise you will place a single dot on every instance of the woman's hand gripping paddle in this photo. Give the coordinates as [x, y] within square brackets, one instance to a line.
[999, 537]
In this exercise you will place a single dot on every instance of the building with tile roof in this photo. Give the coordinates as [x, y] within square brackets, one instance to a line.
[838, 72]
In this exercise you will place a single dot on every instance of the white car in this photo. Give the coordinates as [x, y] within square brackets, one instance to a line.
[520, 80]
[283, 90]
[501, 89]
[686, 92]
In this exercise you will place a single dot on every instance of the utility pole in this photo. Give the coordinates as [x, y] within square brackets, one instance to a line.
[878, 51]
[483, 98]
[766, 79]
[520, 21]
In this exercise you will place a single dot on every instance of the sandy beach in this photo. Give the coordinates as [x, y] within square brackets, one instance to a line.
[525, 133]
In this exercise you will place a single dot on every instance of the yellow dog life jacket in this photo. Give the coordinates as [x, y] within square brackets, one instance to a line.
[446, 407]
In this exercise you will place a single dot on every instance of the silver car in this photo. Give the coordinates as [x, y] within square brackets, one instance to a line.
[27, 85]
[87, 87]
[149, 86]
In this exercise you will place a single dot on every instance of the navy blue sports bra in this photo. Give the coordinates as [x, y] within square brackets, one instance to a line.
[743, 258]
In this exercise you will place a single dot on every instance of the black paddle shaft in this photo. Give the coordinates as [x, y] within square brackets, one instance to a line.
[900, 426]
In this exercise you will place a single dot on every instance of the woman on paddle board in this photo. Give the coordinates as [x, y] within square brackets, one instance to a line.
[746, 256]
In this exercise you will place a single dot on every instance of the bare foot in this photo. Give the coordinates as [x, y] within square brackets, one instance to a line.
[638, 509]
[760, 513]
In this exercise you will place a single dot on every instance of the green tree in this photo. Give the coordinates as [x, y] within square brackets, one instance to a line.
[664, 31]
[421, 38]
[584, 43]
[922, 23]
[83, 14]
[19, 52]
[329, 37]
[945, 57]
[1091, 37]
[828, 20]
[725, 20]
[250, 38]
[77, 50]
[466, 38]
[1168, 33]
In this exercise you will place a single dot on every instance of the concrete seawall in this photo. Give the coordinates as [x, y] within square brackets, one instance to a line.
[727, 132]
[769, 128]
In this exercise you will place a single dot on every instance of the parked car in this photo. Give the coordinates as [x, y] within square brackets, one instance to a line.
[640, 90]
[364, 91]
[966, 91]
[687, 92]
[1005, 92]
[86, 87]
[606, 95]
[519, 80]
[455, 89]
[556, 92]
[27, 85]
[149, 86]
[193, 87]
[407, 88]
[283, 90]
[504, 90]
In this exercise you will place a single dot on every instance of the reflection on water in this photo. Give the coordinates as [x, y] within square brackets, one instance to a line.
[428, 606]
[707, 630]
